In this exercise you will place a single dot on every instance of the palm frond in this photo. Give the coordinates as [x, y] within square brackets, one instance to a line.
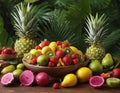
[57, 28]
[112, 43]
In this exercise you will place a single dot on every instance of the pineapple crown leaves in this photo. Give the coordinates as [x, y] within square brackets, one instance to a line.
[26, 17]
[58, 28]
[96, 31]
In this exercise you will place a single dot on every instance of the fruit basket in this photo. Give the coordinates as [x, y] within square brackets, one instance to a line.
[55, 71]
[7, 56]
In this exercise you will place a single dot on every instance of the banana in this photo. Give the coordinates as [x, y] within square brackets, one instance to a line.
[76, 50]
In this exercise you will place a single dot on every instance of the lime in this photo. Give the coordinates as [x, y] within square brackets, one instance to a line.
[113, 82]
[83, 74]
[17, 73]
[96, 81]
[20, 66]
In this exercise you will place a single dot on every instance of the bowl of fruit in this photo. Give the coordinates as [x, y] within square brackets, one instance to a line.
[56, 58]
[7, 53]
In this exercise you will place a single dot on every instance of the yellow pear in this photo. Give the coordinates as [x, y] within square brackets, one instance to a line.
[69, 80]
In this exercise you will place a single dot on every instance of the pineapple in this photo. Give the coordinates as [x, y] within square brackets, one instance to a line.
[25, 21]
[96, 33]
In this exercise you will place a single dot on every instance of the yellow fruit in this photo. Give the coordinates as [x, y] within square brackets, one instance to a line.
[84, 74]
[45, 49]
[76, 50]
[69, 80]
[61, 62]
[53, 46]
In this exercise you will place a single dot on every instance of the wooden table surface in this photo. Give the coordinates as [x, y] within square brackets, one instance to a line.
[83, 88]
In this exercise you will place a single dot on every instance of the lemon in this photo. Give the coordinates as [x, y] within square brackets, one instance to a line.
[53, 46]
[84, 74]
[69, 80]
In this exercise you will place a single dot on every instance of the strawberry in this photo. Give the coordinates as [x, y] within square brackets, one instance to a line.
[54, 60]
[33, 61]
[74, 56]
[67, 60]
[38, 47]
[59, 42]
[116, 72]
[75, 61]
[65, 44]
[59, 53]
[44, 43]
[56, 86]
[51, 64]
[37, 55]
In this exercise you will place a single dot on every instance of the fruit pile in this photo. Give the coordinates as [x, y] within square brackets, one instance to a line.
[5, 50]
[54, 54]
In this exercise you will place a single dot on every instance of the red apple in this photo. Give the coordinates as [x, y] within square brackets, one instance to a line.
[59, 53]
[65, 44]
[67, 60]
[38, 47]
[44, 43]
[116, 72]
[59, 42]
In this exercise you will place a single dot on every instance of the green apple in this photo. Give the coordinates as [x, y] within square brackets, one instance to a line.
[34, 52]
[42, 60]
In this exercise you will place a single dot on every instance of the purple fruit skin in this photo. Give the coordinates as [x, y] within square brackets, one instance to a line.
[6, 76]
[96, 86]
[26, 78]
[42, 79]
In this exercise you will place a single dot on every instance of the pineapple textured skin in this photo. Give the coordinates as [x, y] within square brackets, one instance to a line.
[95, 52]
[24, 45]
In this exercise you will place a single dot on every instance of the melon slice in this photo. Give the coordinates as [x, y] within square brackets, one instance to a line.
[26, 78]
[7, 79]
[96, 81]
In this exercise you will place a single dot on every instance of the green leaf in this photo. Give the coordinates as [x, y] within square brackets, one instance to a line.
[99, 4]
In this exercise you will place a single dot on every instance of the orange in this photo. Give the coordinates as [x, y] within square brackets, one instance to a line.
[84, 74]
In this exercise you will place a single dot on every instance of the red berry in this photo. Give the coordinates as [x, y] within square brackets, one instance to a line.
[67, 60]
[56, 86]
[33, 61]
[59, 42]
[38, 47]
[59, 53]
[37, 55]
[116, 72]
[75, 61]
[51, 64]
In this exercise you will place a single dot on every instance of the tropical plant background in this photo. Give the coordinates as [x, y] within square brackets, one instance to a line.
[66, 21]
